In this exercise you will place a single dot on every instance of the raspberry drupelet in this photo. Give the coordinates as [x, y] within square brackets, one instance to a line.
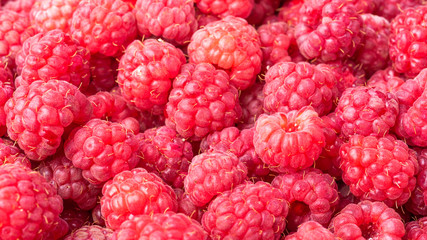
[9, 153]
[262, 9]
[6, 90]
[103, 73]
[417, 202]
[186, 206]
[389, 9]
[311, 230]
[223, 8]
[386, 80]
[251, 101]
[91, 232]
[416, 229]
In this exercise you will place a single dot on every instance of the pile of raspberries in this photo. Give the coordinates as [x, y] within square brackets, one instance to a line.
[213, 119]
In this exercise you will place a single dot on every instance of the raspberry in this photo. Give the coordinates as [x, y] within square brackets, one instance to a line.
[165, 153]
[174, 21]
[291, 141]
[103, 26]
[274, 43]
[204, 19]
[261, 10]
[389, 9]
[102, 149]
[211, 174]
[311, 230]
[168, 225]
[328, 30]
[97, 217]
[145, 73]
[386, 80]
[291, 86]
[367, 220]
[417, 202]
[30, 206]
[46, 15]
[68, 181]
[251, 100]
[11, 154]
[75, 217]
[346, 197]
[312, 195]
[202, 101]
[249, 211]
[416, 230]
[408, 41]
[103, 73]
[366, 111]
[379, 168]
[6, 91]
[38, 114]
[364, 6]
[53, 55]
[223, 8]
[20, 6]
[410, 91]
[186, 206]
[230, 44]
[91, 232]
[372, 52]
[239, 143]
[135, 192]
[60, 229]
[289, 12]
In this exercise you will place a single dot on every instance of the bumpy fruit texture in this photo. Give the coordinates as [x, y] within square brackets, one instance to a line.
[311, 230]
[230, 44]
[389, 9]
[416, 230]
[386, 80]
[223, 8]
[103, 26]
[9, 153]
[22, 7]
[186, 206]
[91, 232]
[202, 101]
[38, 114]
[146, 71]
[417, 203]
[135, 192]
[251, 101]
[211, 174]
[248, 211]
[103, 72]
[168, 225]
[74, 217]
[410, 91]
[30, 206]
[291, 86]
[289, 142]
[312, 196]
[6, 91]
[379, 168]
[102, 149]
[262, 9]
[289, 12]
[368, 220]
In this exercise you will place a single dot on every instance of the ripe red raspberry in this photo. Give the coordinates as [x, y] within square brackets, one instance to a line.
[102, 149]
[311, 230]
[91, 232]
[186, 206]
[416, 230]
[291, 141]
[6, 91]
[103, 73]
[202, 101]
[12, 154]
[211, 174]
[38, 114]
[386, 80]
[103, 26]
[53, 55]
[366, 111]
[261, 10]
[145, 73]
[248, 211]
[372, 52]
[164, 152]
[19, 6]
[312, 195]
[230, 44]
[328, 30]
[97, 217]
[410, 91]
[135, 192]
[389, 9]
[223, 8]
[168, 225]
[30, 206]
[174, 21]
[408, 41]
[204, 19]
[46, 15]
[367, 220]
[68, 181]
[379, 168]
[291, 86]
[364, 6]
[239, 143]
[14, 30]
[251, 101]
[417, 202]
[289, 12]
[346, 197]
[74, 217]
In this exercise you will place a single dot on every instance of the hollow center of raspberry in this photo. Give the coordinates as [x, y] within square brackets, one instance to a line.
[299, 208]
[370, 231]
[291, 127]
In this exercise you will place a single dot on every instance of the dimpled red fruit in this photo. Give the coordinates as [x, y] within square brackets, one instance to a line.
[19, 6]
[417, 202]
[291, 86]
[391, 8]
[311, 230]
[291, 141]
[186, 206]
[30, 206]
[367, 220]
[328, 30]
[416, 230]
[289, 12]
[103, 26]
[261, 10]
[146, 70]
[223, 8]
[135, 192]
[379, 168]
[38, 114]
[251, 101]
[386, 80]
[161, 226]
[248, 211]
[366, 111]
[211, 174]
[230, 44]
[6, 91]
[408, 41]
[174, 21]
[9, 153]
[202, 101]
[165, 153]
[103, 72]
[74, 216]
[102, 149]
[91, 232]
[312, 195]
[53, 55]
